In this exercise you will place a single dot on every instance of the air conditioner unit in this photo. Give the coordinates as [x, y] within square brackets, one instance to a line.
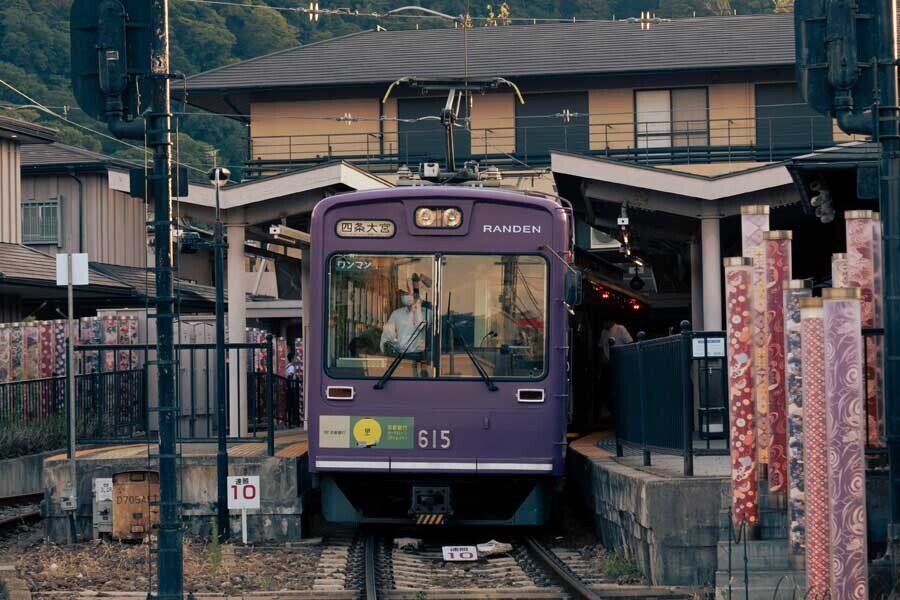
[431, 169]
[603, 241]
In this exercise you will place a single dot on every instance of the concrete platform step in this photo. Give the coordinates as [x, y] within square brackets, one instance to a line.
[762, 584]
[761, 554]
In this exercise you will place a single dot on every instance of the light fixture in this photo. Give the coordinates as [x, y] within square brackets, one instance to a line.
[444, 218]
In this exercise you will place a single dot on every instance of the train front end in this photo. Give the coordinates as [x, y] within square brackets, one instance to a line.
[437, 389]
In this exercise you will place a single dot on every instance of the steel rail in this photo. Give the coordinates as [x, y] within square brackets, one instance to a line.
[569, 581]
[371, 589]
[21, 499]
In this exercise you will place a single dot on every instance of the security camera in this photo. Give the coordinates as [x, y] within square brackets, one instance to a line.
[218, 174]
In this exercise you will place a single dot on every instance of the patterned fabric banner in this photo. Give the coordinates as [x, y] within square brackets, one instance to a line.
[754, 223]
[59, 343]
[45, 364]
[32, 355]
[16, 353]
[815, 450]
[741, 410]
[5, 333]
[778, 273]
[878, 341]
[110, 336]
[839, 270]
[861, 274]
[793, 293]
[846, 443]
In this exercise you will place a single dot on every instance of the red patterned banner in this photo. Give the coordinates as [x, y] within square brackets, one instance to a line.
[815, 450]
[754, 223]
[778, 273]
[861, 274]
[846, 443]
[741, 410]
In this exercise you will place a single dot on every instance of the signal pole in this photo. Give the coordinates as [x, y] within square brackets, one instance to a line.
[169, 551]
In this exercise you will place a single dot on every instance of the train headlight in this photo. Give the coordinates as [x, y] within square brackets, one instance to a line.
[452, 217]
[445, 218]
[425, 217]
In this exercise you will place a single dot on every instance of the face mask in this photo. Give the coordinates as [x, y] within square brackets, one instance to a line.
[406, 300]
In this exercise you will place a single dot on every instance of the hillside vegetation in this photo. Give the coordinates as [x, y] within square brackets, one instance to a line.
[34, 52]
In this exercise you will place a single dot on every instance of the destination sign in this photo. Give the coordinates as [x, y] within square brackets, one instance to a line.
[365, 228]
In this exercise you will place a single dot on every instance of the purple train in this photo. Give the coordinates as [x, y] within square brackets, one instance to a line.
[438, 351]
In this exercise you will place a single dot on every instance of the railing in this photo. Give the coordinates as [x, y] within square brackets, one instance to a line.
[530, 141]
[653, 394]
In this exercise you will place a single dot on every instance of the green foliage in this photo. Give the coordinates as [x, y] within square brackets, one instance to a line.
[22, 438]
[215, 549]
[617, 567]
[34, 52]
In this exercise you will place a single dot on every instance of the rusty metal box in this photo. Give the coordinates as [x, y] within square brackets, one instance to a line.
[135, 504]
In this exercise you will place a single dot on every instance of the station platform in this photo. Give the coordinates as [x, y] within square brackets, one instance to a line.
[666, 522]
[284, 478]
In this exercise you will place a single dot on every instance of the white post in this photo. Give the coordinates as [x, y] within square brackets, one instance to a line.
[244, 525]
[70, 368]
[712, 273]
[237, 322]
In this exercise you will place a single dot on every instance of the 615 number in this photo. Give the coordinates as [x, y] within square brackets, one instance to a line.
[434, 438]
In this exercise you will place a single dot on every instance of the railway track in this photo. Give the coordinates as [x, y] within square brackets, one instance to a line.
[16, 510]
[369, 566]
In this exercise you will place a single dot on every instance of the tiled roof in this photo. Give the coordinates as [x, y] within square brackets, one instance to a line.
[21, 263]
[144, 282]
[580, 48]
[47, 155]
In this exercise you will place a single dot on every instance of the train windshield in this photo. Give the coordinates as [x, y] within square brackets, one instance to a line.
[448, 316]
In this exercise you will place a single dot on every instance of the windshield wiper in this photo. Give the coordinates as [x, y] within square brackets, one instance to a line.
[393, 366]
[484, 376]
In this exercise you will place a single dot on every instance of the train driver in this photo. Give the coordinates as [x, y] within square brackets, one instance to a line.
[404, 322]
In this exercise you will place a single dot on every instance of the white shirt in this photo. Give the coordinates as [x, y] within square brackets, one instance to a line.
[618, 334]
[402, 325]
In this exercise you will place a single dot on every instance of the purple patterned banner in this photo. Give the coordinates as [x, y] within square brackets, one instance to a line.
[742, 412]
[815, 450]
[794, 291]
[846, 443]
[861, 274]
[754, 223]
[778, 273]
[878, 341]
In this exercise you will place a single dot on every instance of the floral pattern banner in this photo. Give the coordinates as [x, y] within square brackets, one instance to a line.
[861, 274]
[846, 449]
[778, 272]
[742, 412]
[753, 227]
[839, 270]
[4, 353]
[794, 383]
[878, 341]
[59, 342]
[815, 454]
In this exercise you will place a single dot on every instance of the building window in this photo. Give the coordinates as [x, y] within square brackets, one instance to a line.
[672, 118]
[40, 221]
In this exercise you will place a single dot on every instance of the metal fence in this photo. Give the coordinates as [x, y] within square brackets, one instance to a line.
[653, 389]
[119, 405]
[530, 140]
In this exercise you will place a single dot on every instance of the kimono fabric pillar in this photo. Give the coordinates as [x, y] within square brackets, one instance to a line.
[815, 452]
[794, 291]
[861, 274]
[878, 306]
[754, 223]
[741, 410]
[839, 270]
[778, 273]
[844, 417]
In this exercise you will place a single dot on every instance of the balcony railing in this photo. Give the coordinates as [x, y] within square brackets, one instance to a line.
[530, 141]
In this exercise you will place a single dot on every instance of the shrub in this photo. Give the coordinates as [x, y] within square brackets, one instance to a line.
[18, 438]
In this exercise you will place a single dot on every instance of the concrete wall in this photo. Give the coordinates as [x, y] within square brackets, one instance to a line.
[278, 519]
[113, 227]
[10, 211]
[23, 475]
[669, 526]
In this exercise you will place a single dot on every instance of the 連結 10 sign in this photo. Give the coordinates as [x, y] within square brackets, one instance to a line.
[243, 492]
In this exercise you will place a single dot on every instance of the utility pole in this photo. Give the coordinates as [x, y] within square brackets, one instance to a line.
[217, 176]
[169, 552]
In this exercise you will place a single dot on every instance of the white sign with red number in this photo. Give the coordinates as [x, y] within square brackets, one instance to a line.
[243, 492]
[459, 553]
